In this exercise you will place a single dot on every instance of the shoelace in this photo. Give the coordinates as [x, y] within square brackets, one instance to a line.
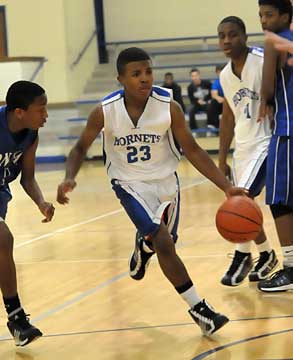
[24, 321]
[254, 260]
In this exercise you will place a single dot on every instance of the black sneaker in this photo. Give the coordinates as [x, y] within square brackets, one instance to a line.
[238, 270]
[22, 331]
[206, 318]
[266, 263]
[281, 280]
[139, 260]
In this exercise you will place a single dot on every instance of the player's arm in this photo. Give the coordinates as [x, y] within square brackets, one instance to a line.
[76, 156]
[268, 79]
[196, 155]
[215, 95]
[30, 184]
[227, 125]
[282, 44]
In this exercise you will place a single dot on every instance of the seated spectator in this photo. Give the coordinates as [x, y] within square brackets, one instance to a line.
[169, 83]
[199, 93]
[215, 107]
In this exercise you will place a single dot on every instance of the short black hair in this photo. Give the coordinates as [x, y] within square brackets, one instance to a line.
[284, 6]
[22, 94]
[235, 20]
[169, 74]
[194, 70]
[128, 55]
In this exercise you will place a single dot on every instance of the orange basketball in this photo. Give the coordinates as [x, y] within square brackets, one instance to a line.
[239, 219]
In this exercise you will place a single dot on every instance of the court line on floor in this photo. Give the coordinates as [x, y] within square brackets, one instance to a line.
[185, 257]
[96, 218]
[147, 327]
[89, 292]
[206, 354]
[74, 300]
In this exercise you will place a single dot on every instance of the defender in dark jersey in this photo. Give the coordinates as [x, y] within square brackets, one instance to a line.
[277, 90]
[24, 113]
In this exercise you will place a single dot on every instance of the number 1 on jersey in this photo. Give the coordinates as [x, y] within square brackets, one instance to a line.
[247, 112]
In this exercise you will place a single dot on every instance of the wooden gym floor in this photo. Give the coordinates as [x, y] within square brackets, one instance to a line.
[73, 280]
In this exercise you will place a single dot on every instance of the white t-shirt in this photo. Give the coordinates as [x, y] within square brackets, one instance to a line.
[243, 97]
[146, 151]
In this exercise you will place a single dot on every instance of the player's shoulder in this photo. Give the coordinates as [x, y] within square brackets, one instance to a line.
[225, 72]
[114, 96]
[161, 94]
[287, 34]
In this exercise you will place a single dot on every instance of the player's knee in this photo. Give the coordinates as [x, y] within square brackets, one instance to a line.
[280, 210]
[163, 244]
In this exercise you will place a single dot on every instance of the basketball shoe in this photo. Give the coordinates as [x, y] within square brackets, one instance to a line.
[238, 270]
[140, 259]
[20, 328]
[206, 318]
[266, 263]
[281, 280]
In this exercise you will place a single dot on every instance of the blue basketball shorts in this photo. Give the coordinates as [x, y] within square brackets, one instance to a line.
[147, 203]
[5, 197]
[249, 167]
[279, 179]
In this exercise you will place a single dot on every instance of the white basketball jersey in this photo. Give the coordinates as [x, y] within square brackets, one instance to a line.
[243, 97]
[146, 151]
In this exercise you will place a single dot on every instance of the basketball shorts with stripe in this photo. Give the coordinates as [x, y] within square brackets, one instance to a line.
[249, 169]
[279, 180]
[148, 202]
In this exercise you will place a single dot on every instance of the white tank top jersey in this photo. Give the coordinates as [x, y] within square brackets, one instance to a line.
[243, 97]
[146, 151]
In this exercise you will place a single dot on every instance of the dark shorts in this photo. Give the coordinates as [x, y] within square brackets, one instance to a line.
[279, 178]
[5, 197]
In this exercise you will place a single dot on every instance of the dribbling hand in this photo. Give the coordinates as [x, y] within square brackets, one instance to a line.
[235, 191]
[65, 187]
[47, 209]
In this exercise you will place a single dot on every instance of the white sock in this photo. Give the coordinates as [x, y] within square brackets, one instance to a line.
[287, 256]
[146, 248]
[244, 247]
[191, 297]
[265, 246]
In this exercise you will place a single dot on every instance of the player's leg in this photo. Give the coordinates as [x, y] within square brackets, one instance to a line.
[18, 323]
[280, 196]
[267, 260]
[250, 173]
[143, 203]
[175, 271]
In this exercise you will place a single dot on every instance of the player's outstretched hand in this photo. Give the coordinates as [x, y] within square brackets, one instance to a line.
[65, 187]
[233, 191]
[47, 209]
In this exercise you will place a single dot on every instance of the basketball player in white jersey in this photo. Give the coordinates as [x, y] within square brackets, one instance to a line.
[141, 159]
[241, 83]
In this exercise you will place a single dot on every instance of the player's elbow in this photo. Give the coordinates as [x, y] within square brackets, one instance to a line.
[190, 151]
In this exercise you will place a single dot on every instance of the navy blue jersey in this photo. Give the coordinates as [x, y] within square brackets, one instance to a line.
[284, 96]
[12, 147]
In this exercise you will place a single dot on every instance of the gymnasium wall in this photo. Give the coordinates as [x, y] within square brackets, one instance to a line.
[57, 30]
[132, 20]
